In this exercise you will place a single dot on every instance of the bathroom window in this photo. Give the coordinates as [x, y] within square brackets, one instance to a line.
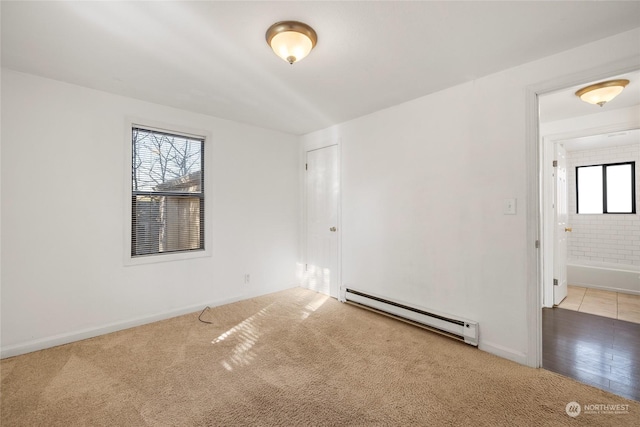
[606, 189]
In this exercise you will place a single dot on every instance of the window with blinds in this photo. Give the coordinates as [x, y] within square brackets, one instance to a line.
[167, 194]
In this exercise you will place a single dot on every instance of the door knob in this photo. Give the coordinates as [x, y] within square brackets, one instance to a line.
[332, 229]
[568, 229]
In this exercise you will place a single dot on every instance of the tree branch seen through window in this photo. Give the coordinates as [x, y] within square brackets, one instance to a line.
[167, 192]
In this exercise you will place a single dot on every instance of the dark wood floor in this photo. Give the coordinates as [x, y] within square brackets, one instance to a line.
[599, 351]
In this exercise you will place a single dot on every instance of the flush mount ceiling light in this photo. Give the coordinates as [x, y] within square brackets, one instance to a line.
[291, 40]
[603, 92]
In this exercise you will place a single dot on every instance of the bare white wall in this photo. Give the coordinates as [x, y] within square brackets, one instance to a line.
[423, 185]
[63, 199]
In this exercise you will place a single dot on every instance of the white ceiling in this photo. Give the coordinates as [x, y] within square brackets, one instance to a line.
[564, 104]
[606, 140]
[211, 57]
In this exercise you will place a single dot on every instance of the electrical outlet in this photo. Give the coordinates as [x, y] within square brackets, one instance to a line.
[247, 279]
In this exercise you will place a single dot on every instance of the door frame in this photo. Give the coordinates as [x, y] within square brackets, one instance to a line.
[304, 238]
[534, 210]
[547, 229]
[560, 276]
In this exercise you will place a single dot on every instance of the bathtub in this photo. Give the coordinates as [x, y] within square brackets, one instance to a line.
[609, 276]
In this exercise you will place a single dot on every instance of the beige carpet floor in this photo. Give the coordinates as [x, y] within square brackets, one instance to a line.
[293, 358]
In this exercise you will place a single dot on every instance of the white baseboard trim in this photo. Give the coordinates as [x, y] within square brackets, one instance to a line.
[66, 338]
[504, 352]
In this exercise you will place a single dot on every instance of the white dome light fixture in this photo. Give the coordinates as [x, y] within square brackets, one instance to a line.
[291, 40]
[603, 92]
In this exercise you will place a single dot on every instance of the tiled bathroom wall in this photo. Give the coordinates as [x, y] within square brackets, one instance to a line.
[609, 238]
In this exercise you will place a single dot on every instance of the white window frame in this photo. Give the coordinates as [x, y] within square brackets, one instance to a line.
[130, 260]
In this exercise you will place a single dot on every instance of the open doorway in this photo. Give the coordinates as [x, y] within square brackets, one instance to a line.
[590, 260]
[593, 246]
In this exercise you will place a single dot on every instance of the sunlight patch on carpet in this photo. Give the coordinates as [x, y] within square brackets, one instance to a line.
[248, 333]
[314, 305]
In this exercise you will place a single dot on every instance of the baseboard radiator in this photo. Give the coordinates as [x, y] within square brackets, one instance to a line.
[451, 326]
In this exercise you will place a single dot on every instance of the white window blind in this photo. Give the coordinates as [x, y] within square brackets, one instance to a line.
[167, 197]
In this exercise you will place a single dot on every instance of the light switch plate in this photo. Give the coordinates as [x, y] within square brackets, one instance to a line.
[509, 207]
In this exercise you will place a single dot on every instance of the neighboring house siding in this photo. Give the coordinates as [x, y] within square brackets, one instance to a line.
[182, 218]
[169, 223]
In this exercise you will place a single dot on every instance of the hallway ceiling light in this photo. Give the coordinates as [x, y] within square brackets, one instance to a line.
[291, 40]
[603, 92]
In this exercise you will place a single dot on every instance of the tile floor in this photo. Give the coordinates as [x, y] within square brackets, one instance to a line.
[615, 305]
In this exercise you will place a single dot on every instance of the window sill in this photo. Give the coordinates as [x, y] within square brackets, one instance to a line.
[170, 257]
